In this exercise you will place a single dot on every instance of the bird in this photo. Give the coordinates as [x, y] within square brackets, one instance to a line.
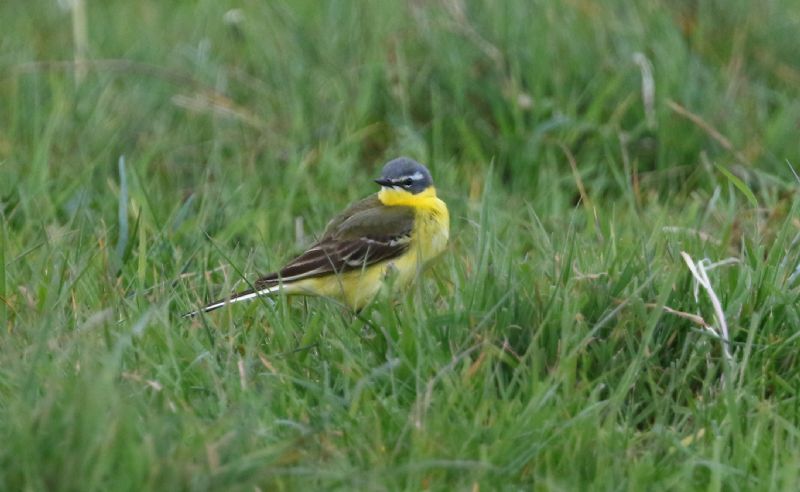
[395, 232]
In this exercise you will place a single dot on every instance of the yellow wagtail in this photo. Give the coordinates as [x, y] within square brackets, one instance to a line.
[399, 230]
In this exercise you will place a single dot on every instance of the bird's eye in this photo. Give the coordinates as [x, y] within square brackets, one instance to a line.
[408, 182]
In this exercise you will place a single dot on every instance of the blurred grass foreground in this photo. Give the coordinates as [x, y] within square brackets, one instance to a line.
[618, 308]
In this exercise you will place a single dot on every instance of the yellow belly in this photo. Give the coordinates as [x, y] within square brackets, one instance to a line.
[357, 288]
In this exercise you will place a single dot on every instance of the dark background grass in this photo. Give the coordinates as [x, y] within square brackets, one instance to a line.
[536, 354]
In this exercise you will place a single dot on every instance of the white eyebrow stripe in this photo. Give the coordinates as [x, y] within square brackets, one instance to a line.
[417, 176]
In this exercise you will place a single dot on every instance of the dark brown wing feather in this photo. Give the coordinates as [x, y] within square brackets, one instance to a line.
[366, 233]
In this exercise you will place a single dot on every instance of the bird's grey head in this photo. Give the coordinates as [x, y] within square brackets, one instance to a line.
[405, 174]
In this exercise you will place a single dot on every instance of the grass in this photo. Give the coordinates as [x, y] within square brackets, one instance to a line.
[561, 342]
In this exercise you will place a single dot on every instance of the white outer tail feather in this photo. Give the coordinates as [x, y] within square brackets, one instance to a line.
[232, 300]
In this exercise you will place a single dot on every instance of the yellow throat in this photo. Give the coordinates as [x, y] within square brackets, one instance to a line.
[432, 220]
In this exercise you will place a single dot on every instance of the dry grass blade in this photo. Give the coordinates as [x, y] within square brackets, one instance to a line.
[648, 87]
[576, 175]
[694, 318]
[710, 130]
[458, 13]
[693, 232]
[220, 105]
[700, 275]
[80, 37]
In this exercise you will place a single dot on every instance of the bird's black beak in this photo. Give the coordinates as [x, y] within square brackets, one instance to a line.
[384, 181]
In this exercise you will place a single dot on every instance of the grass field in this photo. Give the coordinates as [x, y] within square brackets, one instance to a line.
[154, 155]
